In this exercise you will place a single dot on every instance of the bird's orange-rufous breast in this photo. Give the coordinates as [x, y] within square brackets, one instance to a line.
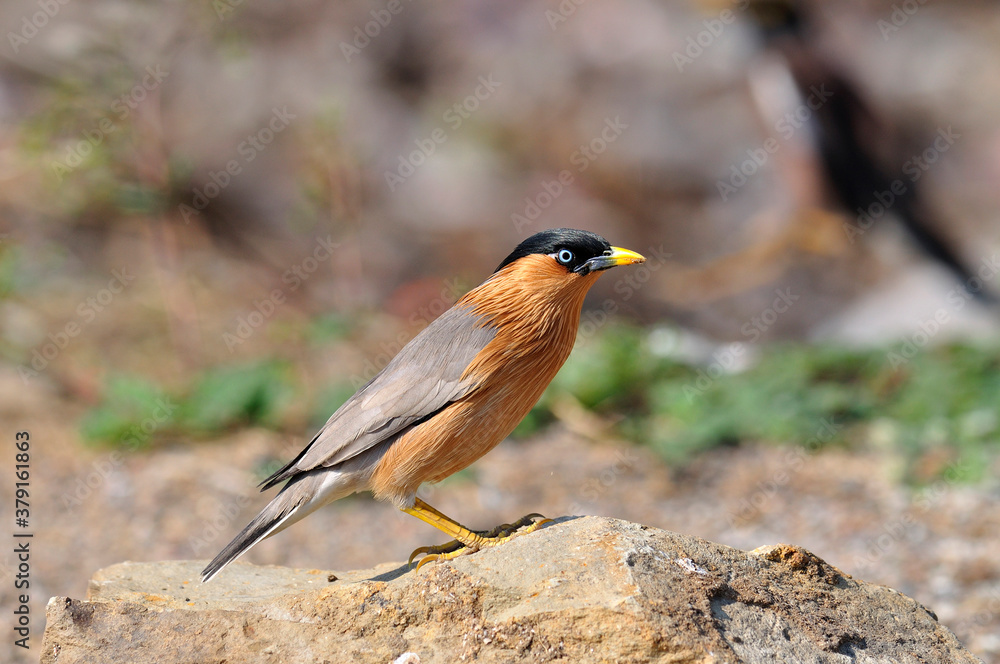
[534, 305]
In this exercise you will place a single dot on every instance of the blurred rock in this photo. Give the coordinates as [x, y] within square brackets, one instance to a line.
[584, 589]
[365, 90]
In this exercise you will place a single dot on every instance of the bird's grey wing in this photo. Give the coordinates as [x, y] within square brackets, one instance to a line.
[424, 377]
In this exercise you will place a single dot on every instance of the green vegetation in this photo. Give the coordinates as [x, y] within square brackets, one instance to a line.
[134, 411]
[10, 274]
[944, 398]
[253, 393]
[128, 402]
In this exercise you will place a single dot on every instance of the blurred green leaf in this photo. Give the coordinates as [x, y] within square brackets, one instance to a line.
[946, 395]
[330, 327]
[941, 404]
[138, 199]
[244, 394]
[10, 274]
[131, 410]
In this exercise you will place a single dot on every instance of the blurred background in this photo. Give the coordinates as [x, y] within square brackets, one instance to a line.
[217, 220]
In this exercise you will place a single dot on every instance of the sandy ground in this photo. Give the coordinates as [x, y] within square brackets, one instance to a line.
[91, 508]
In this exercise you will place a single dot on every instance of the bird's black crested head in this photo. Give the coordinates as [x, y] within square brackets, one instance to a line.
[569, 247]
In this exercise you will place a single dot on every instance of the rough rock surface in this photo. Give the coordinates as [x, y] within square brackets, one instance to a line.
[583, 589]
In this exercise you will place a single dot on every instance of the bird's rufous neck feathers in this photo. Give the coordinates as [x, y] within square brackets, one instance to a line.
[531, 295]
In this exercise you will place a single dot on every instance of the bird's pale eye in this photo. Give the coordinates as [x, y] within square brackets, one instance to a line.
[565, 256]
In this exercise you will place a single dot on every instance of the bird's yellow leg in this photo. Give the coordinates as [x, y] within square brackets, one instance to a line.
[466, 541]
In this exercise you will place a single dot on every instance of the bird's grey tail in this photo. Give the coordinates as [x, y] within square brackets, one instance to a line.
[277, 512]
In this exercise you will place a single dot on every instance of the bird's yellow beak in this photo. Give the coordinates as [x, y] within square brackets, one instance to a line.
[612, 258]
[625, 256]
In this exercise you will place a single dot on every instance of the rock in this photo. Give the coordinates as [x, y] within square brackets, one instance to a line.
[583, 589]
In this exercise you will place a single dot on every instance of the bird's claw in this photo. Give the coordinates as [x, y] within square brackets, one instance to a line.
[455, 552]
[484, 538]
[434, 551]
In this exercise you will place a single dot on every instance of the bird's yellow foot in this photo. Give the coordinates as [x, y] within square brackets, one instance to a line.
[455, 548]
[469, 541]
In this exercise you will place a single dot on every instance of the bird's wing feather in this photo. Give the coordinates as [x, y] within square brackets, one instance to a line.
[424, 377]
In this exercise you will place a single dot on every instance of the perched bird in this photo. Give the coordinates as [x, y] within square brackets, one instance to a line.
[449, 397]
